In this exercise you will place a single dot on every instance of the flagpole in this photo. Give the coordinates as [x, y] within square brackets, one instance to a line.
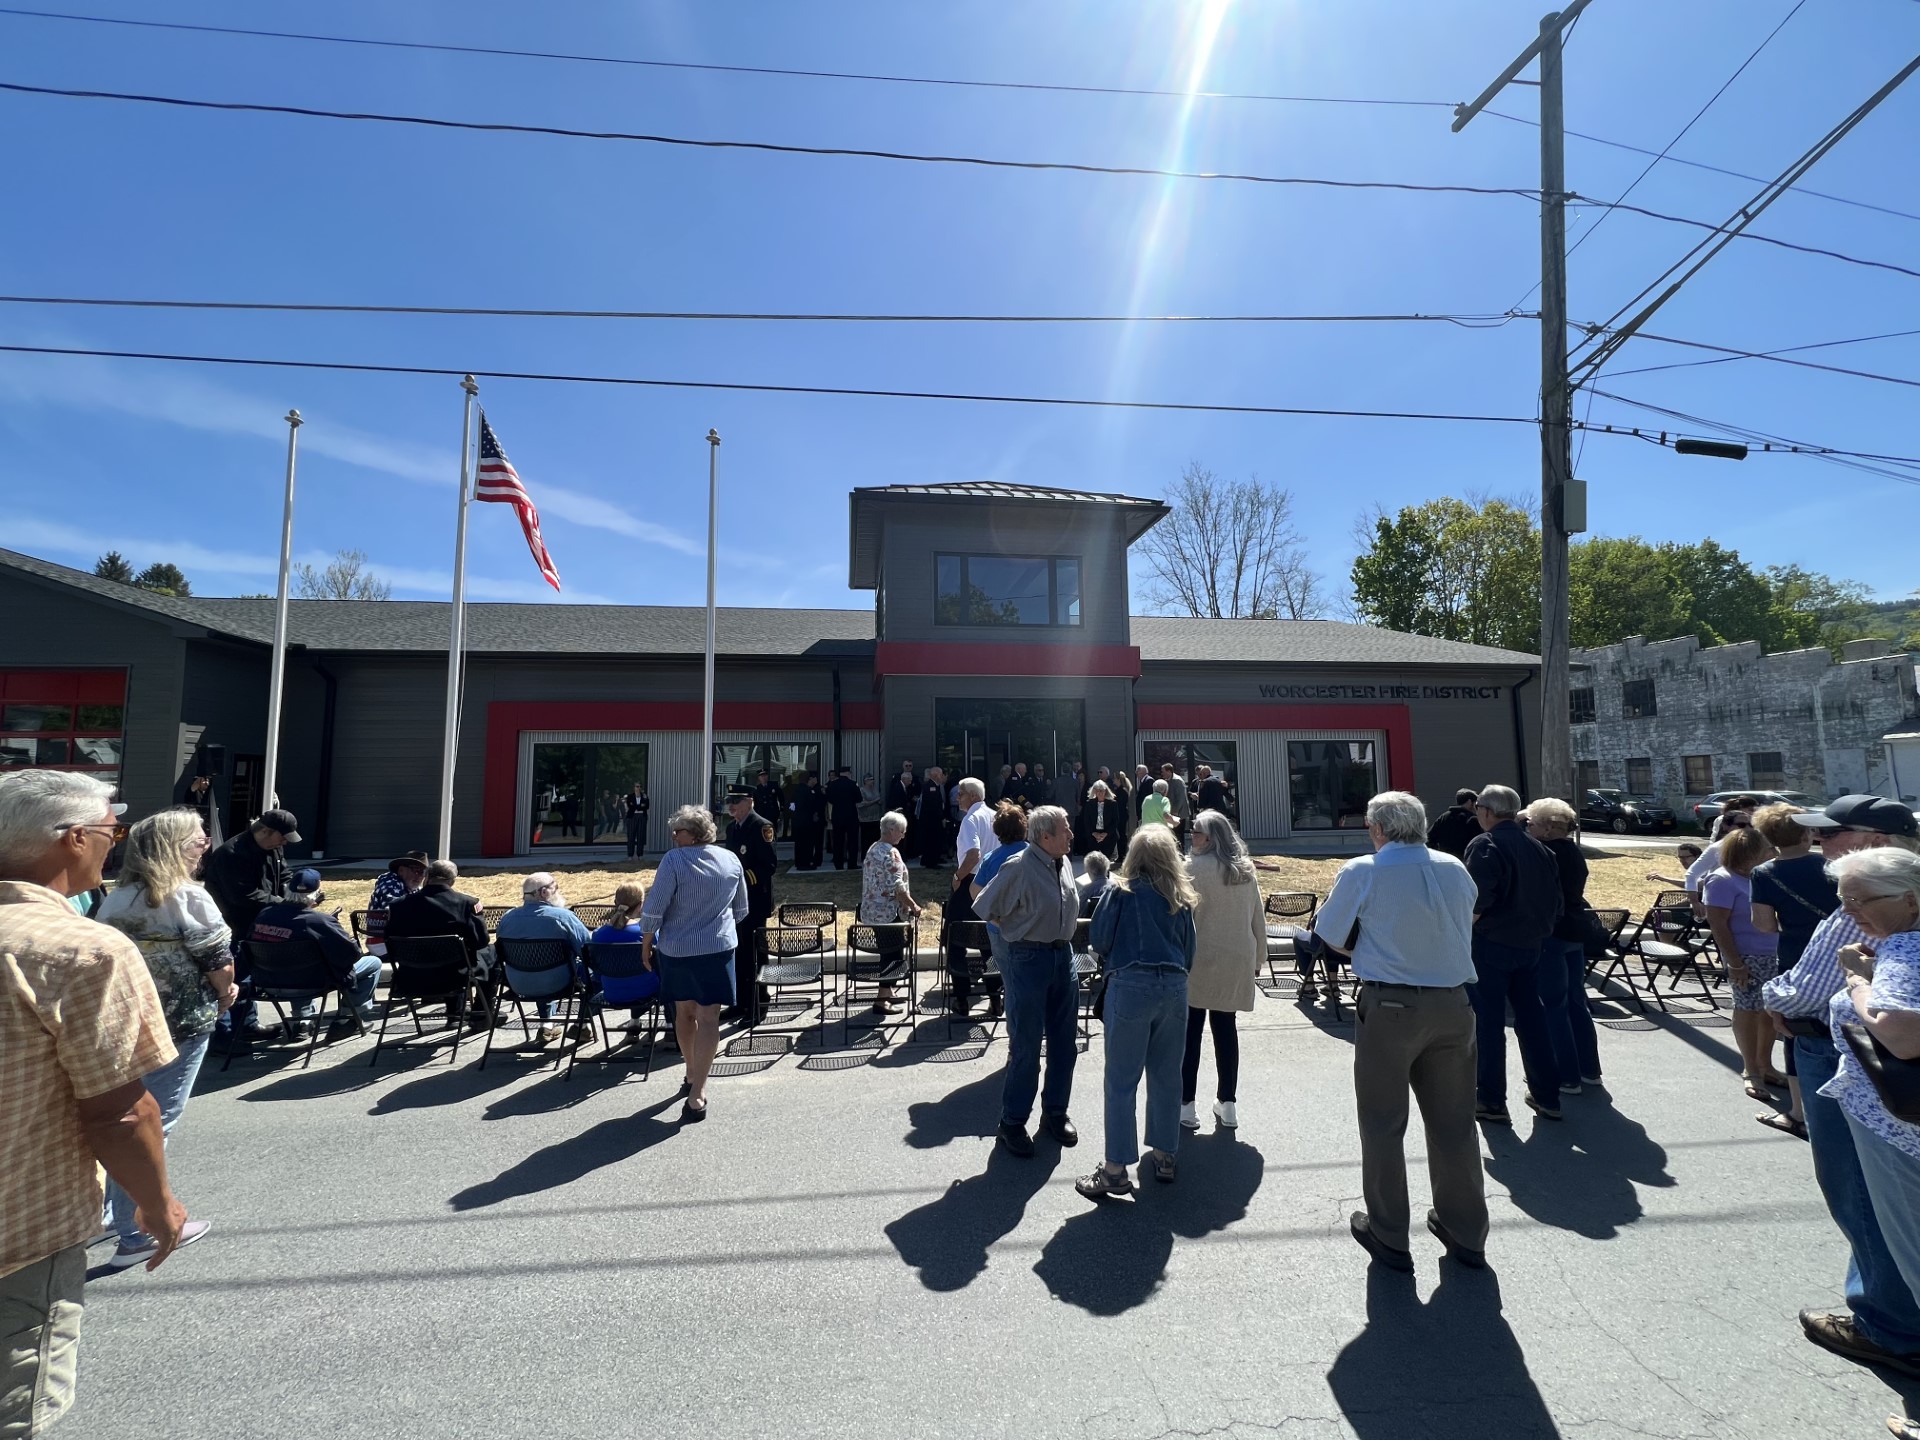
[277, 679]
[458, 641]
[713, 533]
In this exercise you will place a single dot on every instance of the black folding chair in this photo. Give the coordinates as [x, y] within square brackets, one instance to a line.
[976, 966]
[1612, 921]
[594, 916]
[823, 914]
[880, 954]
[433, 970]
[1086, 974]
[537, 971]
[618, 971]
[795, 958]
[290, 972]
[1288, 911]
[1672, 938]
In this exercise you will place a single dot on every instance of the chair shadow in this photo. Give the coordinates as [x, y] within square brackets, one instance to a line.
[555, 1093]
[947, 1240]
[345, 1076]
[607, 1143]
[446, 1087]
[1114, 1257]
[1450, 1367]
[973, 1109]
[1581, 1173]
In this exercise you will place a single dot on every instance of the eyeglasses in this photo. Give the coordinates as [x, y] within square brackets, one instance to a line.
[1855, 902]
[116, 829]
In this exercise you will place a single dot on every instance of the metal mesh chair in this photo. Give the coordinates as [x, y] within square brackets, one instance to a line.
[1612, 921]
[594, 916]
[536, 972]
[1086, 974]
[796, 958]
[1287, 912]
[1672, 938]
[976, 965]
[289, 972]
[622, 978]
[823, 914]
[880, 954]
[433, 970]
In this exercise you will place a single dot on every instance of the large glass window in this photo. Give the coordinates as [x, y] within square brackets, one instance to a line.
[977, 737]
[64, 720]
[577, 790]
[1637, 700]
[1006, 590]
[738, 767]
[1330, 782]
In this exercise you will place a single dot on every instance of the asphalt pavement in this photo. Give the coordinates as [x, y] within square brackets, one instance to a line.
[433, 1252]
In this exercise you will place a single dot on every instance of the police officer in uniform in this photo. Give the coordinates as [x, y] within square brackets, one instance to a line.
[750, 836]
[843, 815]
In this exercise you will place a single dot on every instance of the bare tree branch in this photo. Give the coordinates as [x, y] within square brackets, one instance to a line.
[345, 578]
[1229, 551]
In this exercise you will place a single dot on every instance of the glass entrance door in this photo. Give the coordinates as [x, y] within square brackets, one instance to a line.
[576, 792]
[978, 737]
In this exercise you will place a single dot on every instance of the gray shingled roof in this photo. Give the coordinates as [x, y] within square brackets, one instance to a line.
[1304, 642]
[421, 626]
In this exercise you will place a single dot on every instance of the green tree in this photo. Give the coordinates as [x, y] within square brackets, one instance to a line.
[1454, 569]
[163, 578]
[1809, 608]
[1623, 586]
[113, 566]
[1731, 602]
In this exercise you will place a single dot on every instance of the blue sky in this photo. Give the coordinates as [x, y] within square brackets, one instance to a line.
[184, 463]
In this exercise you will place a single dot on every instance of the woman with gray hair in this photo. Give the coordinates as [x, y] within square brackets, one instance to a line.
[688, 932]
[886, 898]
[161, 907]
[1231, 945]
[1563, 954]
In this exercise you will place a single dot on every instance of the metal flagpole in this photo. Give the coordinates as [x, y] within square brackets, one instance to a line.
[713, 532]
[458, 642]
[277, 679]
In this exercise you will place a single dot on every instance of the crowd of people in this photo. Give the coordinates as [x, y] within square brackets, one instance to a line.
[113, 999]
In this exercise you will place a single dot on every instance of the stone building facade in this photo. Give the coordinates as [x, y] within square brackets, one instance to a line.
[1677, 720]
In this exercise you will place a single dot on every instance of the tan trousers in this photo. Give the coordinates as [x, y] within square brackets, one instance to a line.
[40, 1329]
[1418, 1039]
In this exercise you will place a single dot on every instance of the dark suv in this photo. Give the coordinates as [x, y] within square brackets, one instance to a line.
[1620, 812]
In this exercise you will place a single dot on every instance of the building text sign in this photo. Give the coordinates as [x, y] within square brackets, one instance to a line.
[1380, 692]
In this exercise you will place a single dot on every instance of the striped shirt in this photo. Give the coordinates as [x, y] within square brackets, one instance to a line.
[1816, 977]
[699, 895]
[79, 1016]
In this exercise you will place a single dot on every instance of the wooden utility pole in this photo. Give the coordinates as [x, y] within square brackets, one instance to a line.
[1556, 397]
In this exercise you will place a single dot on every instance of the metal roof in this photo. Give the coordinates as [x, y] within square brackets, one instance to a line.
[865, 503]
[1303, 642]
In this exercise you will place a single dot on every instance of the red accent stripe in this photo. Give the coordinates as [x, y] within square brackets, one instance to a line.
[1396, 720]
[506, 719]
[64, 687]
[988, 658]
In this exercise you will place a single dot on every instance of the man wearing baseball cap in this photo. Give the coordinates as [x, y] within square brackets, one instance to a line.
[1881, 1324]
[244, 876]
[299, 918]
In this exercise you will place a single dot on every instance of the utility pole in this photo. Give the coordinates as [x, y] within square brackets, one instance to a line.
[1556, 397]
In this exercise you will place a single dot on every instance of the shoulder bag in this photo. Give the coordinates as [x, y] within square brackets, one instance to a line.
[1896, 1080]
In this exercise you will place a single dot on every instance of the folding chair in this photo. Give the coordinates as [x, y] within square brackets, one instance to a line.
[535, 971]
[594, 916]
[824, 915]
[1288, 911]
[976, 966]
[795, 958]
[1612, 921]
[1670, 937]
[432, 970]
[288, 972]
[1086, 973]
[624, 985]
[880, 953]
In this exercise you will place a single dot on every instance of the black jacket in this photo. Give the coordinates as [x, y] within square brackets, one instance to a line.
[243, 880]
[1037, 791]
[1213, 795]
[901, 798]
[438, 910]
[766, 799]
[810, 806]
[631, 805]
[293, 921]
[1452, 831]
[1572, 866]
[748, 839]
[843, 801]
[1013, 788]
[1519, 884]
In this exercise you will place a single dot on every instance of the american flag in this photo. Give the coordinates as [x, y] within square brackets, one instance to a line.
[496, 479]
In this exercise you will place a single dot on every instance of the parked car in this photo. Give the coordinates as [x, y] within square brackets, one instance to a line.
[1706, 811]
[1621, 813]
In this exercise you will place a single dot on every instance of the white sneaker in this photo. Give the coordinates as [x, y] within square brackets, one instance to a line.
[1189, 1116]
[1224, 1112]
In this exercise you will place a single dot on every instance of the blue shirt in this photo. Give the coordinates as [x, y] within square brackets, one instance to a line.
[543, 922]
[699, 893]
[618, 934]
[990, 867]
[1816, 976]
[1414, 907]
[1135, 927]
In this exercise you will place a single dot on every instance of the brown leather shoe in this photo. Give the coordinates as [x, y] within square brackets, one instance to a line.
[1838, 1331]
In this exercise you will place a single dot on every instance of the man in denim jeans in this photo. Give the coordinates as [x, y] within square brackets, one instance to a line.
[1036, 905]
[1881, 1324]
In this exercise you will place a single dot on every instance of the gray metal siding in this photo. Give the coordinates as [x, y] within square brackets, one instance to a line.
[45, 628]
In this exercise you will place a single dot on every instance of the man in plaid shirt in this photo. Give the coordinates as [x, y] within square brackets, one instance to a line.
[80, 1024]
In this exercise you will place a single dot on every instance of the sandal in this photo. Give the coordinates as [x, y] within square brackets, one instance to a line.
[1778, 1082]
[1786, 1124]
[693, 1112]
[1757, 1091]
[1903, 1427]
[1104, 1182]
[1162, 1164]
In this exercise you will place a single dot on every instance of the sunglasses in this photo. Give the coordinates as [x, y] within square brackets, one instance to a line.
[118, 830]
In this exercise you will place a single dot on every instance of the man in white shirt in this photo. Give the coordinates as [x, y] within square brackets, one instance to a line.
[976, 842]
[1405, 915]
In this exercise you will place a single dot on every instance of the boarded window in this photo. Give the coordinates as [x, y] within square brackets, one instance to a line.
[1699, 774]
[1640, 777]
[1636, 700]
[1767, 770]
[1587, 775]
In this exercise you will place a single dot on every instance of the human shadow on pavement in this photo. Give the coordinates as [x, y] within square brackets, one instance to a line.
[947, 1240]
[607, 1143]
[1450, 1367]
[1112, 1258]
[972, 1109]
[1580, 1173]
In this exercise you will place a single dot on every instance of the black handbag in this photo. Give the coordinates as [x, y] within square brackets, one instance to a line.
[1594, 938]
[1897, 1080]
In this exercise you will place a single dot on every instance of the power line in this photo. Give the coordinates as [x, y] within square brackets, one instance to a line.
[1470, 322]
[1050, 400]
[1722, 229]
[1726, 353]
[934, 80]
[1731, 355]
[1863, 460]
[501, 127]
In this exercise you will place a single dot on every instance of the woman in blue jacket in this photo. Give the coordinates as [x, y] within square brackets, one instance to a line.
[1143, 930]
